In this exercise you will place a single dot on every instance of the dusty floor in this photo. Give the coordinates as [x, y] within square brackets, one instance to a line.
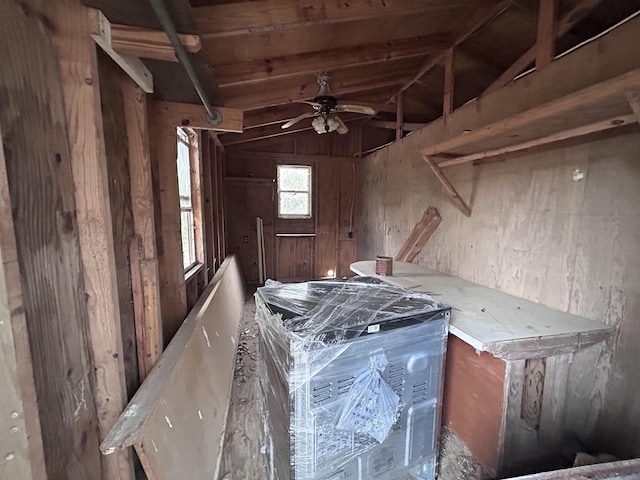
[243, 455]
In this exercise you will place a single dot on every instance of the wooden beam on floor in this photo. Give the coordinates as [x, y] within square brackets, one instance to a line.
[448, 186]
[21, 448]
[146, 43]
[100, 31]
[483, 15]
[80, 85]
[261, 70]
[419, 236]
[449, 83]
[547, 32]
[194, 116]
[607, 124]
[259, 16]
[143, 253]
[572, 17]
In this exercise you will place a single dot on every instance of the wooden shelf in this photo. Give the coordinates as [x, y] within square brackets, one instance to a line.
[591, 91]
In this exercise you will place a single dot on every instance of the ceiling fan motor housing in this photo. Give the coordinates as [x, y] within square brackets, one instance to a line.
[327, 102]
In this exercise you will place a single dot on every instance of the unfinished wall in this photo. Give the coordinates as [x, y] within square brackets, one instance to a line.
[250, 192]
[540, 232]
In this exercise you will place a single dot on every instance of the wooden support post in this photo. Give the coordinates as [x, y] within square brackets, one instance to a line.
[451, 190]
[547, 32]
[573, 16]
[163, 142]
[143, 254]
[208, 150]
[21, 451]
[399, 115]
[447, 101]
[79, 73]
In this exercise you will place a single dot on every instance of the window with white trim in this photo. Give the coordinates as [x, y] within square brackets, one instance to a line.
[294, 191]
[186, 200]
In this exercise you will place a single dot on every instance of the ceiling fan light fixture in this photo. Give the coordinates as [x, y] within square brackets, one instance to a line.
[325, 124]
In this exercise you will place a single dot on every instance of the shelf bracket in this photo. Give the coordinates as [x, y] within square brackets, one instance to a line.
[633, 97]
[451, 190]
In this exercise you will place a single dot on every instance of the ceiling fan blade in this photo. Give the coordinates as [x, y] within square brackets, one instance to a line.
[315, 105]
[342, 128]
[300, 117]
[356, 109]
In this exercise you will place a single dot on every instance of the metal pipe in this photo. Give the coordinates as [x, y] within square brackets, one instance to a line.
[214, 117]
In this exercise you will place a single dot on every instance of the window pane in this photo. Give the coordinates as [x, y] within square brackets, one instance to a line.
[294, 204]
[184, 175]
[294, 178]
[188, 247]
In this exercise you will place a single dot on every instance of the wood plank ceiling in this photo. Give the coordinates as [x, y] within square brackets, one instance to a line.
[265, 54]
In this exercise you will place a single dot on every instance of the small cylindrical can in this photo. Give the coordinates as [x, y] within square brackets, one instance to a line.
[384, 265]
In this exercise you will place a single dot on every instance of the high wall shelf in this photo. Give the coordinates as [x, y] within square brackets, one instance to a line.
[588, 94]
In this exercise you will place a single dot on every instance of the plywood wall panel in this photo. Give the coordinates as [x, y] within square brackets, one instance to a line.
[538, 234]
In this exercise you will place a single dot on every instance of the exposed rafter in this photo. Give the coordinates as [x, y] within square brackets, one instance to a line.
[312, 62]
[480, 18]
[260, 16]
[568, 20]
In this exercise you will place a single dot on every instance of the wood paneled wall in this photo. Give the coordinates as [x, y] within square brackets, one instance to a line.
[325, 243]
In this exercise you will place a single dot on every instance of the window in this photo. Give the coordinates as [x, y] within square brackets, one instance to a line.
[186, 200]
[294, 191]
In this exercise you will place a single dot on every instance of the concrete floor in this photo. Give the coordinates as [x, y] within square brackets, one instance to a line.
[243, 456]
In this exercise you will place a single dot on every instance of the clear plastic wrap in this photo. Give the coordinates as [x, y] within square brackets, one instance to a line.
[351, 374]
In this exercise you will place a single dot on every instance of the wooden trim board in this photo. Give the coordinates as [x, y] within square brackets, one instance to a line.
[177, 419]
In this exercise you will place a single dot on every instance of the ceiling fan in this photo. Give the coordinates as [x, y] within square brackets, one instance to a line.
[326, 108]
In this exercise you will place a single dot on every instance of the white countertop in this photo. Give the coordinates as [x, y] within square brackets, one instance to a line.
[506, 326]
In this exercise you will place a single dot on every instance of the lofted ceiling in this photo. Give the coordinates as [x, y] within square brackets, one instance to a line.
[263, 55]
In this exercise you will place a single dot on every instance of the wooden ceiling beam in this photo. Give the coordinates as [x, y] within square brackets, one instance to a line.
[483, 15]
[192, 115]
[259, 16]
[305, 63]
[258, 98]
[270, 131]
[146, 43]
[568, 20]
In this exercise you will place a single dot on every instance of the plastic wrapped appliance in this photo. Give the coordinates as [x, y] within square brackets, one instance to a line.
[351, 373]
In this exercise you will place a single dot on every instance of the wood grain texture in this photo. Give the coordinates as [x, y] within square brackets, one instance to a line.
[116, 152]
[21, 448]
[533, 391]
[177, 424]
[448, 186]
[43, 208]
[143, 251]
[568, 20]
[147, 43]
[547, 32]
[264, 16]
[449, 83]
[163, 148]
[473, 400]
[420, 235]
[195, 116]
[76, 55]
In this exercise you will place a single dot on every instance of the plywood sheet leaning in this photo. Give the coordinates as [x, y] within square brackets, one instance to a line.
[176, 421]
[419, 236]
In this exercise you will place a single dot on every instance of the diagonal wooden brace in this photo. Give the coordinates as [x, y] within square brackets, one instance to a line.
[437, 171]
